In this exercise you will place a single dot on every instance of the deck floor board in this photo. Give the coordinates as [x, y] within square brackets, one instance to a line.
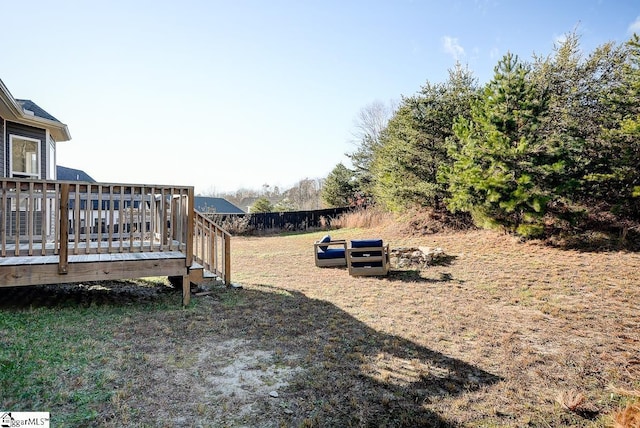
[139, 251]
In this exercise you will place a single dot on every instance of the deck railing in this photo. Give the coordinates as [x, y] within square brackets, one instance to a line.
[39, 218]
[59, 218]
[212, 247]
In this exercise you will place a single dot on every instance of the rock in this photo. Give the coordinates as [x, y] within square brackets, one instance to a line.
[274, 394]
[421, 257]
[202, 289]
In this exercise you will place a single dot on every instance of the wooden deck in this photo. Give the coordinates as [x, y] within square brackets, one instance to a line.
[59, 232]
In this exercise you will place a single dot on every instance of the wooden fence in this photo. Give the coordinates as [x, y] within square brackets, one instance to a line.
[281, 221]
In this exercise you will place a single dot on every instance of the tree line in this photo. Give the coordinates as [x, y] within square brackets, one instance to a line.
[304, 195]
[542, 147]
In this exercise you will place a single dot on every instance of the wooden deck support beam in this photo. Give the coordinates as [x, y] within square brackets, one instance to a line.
[36, 274]
[186, 290]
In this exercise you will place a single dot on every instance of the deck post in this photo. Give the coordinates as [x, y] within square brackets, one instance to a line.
[186, 290]
[63, 251]
[191, 213]
[227, 259]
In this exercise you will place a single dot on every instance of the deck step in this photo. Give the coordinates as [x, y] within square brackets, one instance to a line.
[197, 273]
[208, 275]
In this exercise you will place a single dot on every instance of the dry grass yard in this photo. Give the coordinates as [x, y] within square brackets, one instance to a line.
[503, 334]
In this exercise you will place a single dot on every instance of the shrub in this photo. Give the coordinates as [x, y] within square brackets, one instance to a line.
[234, 224]
[361, 218]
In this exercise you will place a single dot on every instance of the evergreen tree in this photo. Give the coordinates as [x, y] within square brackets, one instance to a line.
[412, 147]
[284, 205]
[569, 122]
[589, 97]
[504, 170]
[262, 205]
[339, 187]
[615, 166]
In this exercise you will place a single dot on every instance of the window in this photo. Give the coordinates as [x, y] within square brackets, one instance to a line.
[25, 157]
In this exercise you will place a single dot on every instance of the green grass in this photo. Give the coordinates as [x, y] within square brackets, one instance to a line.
[54, 359]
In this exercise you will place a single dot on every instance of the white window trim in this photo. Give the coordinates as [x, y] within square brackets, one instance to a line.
[39, 155]
[51, 173]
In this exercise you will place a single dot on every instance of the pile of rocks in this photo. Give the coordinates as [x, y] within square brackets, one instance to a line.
[415, 257]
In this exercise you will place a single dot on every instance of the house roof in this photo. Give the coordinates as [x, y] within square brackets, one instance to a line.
[69, 174]
[216, 205]
[29, 105]
[29, 113]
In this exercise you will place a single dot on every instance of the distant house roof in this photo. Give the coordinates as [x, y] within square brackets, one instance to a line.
[29, 113]
[217, 205]
[70, 174]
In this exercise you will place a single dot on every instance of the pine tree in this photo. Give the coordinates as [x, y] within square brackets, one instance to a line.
[504, 171]
[339, 187]
[412, 147]
[615, 172]
[262, 205]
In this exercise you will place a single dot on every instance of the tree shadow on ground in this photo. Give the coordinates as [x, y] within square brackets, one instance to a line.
[417, 275]
[353, 375]
[599, 241]
[344, 373]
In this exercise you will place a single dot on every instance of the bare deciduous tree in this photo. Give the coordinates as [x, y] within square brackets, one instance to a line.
[369, 125]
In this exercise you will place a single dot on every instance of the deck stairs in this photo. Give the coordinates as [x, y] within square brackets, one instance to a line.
[199, 275]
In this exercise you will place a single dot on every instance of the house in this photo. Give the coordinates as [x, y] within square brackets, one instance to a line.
[28, 138]
[57, 225]
[71, 174]
[206, 204]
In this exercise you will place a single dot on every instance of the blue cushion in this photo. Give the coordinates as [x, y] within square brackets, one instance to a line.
[326, 238]
[332, 253]
[363, 243]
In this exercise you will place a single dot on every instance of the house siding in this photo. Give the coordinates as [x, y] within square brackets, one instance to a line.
[30, 132]
[2, 148]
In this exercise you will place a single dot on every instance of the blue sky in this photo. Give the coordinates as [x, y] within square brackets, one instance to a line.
[235, 94]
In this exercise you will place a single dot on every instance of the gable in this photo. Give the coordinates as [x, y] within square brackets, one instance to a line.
[28, 136]
[28, 113]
